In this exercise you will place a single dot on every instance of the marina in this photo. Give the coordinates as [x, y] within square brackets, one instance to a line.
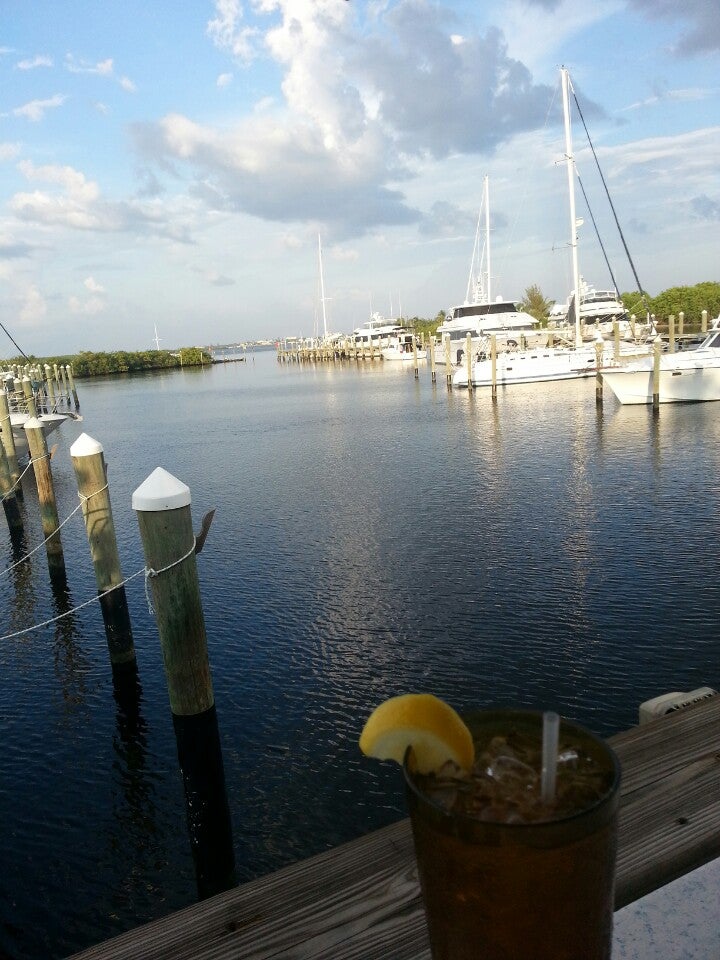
[541, 581]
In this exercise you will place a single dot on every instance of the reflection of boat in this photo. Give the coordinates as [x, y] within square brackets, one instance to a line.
[537, 363]
[401, 346]
[481, 315]
[690, 375]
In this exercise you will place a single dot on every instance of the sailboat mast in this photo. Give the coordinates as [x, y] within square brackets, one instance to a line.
[322, 288]
[570, 159]
[487, 238]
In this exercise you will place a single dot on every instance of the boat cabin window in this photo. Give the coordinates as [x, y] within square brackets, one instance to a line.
[715, 342]
[484, 309]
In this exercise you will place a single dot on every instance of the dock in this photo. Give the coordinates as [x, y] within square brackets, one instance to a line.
[361, 901]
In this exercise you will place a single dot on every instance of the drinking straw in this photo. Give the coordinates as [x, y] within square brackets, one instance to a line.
[551, 735]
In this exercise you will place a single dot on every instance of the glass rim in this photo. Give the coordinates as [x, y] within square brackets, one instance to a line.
[460, 817]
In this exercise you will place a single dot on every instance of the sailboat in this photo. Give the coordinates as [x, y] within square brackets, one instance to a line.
[539, 364]
[480, 315]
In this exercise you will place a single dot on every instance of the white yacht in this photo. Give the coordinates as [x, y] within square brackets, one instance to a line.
[690, 375]
[403, 346]
[480, 315]
[376, 331]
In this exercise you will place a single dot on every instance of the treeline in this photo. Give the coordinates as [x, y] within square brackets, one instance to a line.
[90, 364]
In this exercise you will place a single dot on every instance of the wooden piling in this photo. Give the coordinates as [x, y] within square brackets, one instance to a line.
[162, 503]
[448, 365]
[468, 361]
[29, 398]
[657, 346]
[703, 321]
[431, 349]
[46, 496]
[616, 340]
[89, 464]
[493, 366]
[681, 323]
[71, 381]
[671, 333]
[415, 357]
[8, 442]
[598, 374]
[9, 499]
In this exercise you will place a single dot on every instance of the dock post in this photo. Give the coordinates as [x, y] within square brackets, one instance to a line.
[681, 323]
[431, 348]
[671, 333]
[40, 459]
[8, 442]
[89, 464]
[656, 376]
[448, 365]
[616, 340]
[162, 503]
[29, 398]
[598, 374]
[71, 380]
[703, 321]
[415, 358]
[468, 360]
[50, 387]
[493, 366]
[9, 500]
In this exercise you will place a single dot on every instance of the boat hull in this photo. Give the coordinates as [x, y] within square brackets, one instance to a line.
[679, 385]
[536, 366]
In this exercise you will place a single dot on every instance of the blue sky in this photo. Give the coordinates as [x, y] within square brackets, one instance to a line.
[173, 164]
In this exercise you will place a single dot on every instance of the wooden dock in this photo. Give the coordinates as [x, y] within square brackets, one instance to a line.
[361, 901]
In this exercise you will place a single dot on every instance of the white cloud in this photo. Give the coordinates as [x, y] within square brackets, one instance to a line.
[9, 151]
[33, 308]
[227, 33]
[224, 80]
[35, 62]
[93, 286]
[127, 85]
[89, 308]
[103, 68]
[35, 109]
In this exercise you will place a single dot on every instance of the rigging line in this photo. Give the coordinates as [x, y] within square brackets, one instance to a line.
[612, 206]
[15, 341]
[597, 234]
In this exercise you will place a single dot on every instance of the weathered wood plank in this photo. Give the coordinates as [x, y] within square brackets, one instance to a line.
[361, 901]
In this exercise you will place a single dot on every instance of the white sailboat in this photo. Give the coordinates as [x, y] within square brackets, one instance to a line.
[539, 364]
[690, 375]
[480, 315]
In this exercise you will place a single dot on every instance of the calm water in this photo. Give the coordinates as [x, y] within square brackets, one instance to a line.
[374, 535]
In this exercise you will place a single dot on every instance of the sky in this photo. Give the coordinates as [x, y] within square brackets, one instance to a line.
[170, 172]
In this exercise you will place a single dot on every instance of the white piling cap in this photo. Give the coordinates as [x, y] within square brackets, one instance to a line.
[32, 424]
[161, 491]
[85, 446]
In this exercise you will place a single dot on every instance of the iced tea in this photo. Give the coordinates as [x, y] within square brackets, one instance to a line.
[505, 876]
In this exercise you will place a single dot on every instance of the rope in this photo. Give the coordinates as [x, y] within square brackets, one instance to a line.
[148, 571]
[17, 482]
[83, 499]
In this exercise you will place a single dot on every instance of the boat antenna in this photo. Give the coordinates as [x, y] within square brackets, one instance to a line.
[322, 288]
[612, 207]
[14, 341]
[487, 238]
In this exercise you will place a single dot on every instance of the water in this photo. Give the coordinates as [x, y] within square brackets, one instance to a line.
[374, 535]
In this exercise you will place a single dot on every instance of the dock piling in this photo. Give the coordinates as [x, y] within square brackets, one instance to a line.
[162, 503]
[40, 459]
[8, 442]
[89, 463]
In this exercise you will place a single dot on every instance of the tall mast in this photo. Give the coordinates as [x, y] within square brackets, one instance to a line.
[322, 288]
[570, 159]
[487, 238]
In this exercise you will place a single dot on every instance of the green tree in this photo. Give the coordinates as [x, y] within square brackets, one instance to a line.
[536, 304]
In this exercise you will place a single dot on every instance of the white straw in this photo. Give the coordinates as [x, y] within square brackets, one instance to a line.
[551, 736]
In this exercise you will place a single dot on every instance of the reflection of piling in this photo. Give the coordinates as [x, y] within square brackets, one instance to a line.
[89, 463]
[468, 360]
[163, 507]
[46, 496]
[8, 442]
[598, 373]
[448, 367]
[493, 366]
[431, 348]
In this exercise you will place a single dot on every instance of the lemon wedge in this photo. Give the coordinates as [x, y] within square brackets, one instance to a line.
[421, 721]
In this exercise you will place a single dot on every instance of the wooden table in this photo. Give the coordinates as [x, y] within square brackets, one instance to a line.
[361, 901]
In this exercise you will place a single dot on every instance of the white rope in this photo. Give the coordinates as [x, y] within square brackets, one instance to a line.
[17, 482]
[45, 623]
[83, 499]
[149, 572]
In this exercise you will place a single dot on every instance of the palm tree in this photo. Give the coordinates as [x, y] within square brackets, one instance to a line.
[536, 304]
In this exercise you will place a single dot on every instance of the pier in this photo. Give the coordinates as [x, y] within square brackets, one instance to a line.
[361, 901]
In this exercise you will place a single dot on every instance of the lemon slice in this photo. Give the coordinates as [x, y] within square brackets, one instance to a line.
[421, 721]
